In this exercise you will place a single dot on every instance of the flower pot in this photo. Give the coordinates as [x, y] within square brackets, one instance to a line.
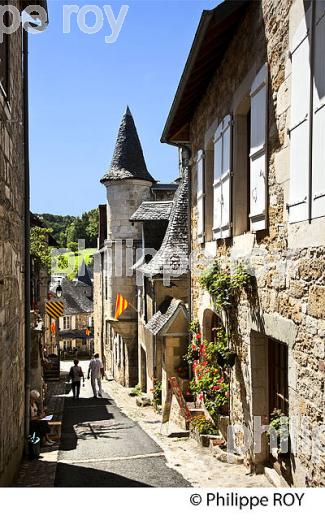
[205, 440]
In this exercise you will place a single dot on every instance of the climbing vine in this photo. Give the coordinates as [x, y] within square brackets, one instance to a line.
[225, 285]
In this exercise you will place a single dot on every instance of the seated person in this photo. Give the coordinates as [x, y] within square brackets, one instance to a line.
[41, 428]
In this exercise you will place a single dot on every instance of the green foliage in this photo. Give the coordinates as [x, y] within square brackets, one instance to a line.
[39, 248]
[62, 262]
[224, 285]
[157, 392]
[73, 246]
[279, 425]
[219, 349]
[209, 383]
[203, 426]
[137, 389]
[67, 228]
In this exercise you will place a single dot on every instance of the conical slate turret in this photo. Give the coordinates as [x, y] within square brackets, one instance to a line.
[128, 161]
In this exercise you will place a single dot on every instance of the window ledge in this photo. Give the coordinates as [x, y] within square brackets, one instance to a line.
[307, 234]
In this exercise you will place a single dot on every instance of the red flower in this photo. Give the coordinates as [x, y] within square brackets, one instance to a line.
[201, 397]
[217, 387]
[198, 336]
[193, 347]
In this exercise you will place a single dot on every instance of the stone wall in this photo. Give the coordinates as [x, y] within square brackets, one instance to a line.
[12, 361]
[287, 260]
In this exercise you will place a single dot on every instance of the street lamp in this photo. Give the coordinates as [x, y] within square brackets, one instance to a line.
[58, 291]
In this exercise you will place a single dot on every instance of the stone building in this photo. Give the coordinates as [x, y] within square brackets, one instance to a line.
[128, 184]
[76, 325]
[250, 105]
[12, 251]
[163, 288]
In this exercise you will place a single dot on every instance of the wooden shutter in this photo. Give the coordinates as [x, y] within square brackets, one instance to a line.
[222, 179]
[200, 195]
[217, 195]
[318, 170]
[300, 122]
[258, 152]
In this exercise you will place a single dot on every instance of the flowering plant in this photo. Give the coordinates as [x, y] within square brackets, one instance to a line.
[193, 351]
[209, 383]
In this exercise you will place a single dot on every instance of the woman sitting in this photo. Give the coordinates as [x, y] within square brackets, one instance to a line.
[37, 425]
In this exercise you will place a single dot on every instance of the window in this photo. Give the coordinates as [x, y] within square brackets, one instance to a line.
[222, 175]
[66, 322]
[200, 196]
[307, 126]
[4, 57]
[278, 376]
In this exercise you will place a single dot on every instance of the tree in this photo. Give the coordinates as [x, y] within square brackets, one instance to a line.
[39, 247]
[73, 246]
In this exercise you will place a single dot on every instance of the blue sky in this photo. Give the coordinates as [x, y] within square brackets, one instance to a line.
[80, 85]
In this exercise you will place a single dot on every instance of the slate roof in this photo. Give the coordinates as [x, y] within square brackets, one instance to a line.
[152, 210]
[173, 255]
[128, 161]
[77, 297]
[84, 274]
[166, 311]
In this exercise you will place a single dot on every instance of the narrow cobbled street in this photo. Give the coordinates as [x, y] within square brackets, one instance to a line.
[102, 447]
[111, 442]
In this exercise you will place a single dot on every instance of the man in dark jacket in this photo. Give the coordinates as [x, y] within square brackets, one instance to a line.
[75, 375]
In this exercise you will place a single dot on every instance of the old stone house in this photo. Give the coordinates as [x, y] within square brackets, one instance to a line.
[250, 105]
[76, 324]
[14, 217]
[129, 185]
[163, 288]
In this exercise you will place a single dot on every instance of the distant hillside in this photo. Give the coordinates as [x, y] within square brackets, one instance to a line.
[67, 230]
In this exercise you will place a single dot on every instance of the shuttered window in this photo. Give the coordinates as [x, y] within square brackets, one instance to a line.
[299, 123]
[258, 152]
[222, 179]
[200, 196]
[318, 147]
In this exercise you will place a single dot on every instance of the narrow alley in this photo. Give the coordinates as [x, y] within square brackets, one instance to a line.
[102, 447]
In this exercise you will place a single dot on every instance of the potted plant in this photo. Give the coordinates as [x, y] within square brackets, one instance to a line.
[278, 434]
[204, 429]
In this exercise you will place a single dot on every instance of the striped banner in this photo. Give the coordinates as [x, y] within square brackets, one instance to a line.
[55, 309]
[121, 305]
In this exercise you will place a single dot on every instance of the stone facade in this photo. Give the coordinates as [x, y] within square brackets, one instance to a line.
[12, 175]
[286, 259]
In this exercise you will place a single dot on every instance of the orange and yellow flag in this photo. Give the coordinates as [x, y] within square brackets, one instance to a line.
[121, 305]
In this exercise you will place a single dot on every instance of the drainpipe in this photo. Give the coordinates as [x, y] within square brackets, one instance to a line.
[186, 157]
[26, 234]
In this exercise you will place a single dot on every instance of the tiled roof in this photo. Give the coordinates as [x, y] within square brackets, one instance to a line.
[128, 161]
[77, 297]
[151, 210]
[166, 311]
[173, 255]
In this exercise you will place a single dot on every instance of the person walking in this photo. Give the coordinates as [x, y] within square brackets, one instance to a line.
[75, 375]
[96, 370]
